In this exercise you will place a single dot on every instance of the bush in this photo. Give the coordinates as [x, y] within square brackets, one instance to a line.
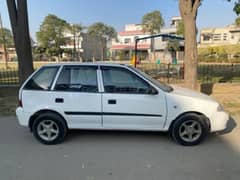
[219, 54]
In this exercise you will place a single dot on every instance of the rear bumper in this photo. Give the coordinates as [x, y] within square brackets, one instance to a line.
[219, 121]
[22, 116]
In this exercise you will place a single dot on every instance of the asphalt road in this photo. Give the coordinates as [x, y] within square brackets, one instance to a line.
[94, 155]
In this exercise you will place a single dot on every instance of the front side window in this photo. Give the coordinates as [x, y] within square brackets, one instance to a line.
[42, 80]
[78, 79]
[120, 80]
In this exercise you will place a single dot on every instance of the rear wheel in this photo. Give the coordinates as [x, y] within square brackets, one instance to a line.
[189, 130]
[49, 128]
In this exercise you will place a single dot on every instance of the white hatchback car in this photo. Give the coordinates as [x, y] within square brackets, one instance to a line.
[59, 97]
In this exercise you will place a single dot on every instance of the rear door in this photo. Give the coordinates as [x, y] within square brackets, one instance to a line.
[77, 94]
[129, 102]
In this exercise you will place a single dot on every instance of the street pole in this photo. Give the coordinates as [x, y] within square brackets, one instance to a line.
[4, 43]
[136, 51]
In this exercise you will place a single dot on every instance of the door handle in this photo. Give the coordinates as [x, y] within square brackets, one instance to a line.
[59, 100]
[112, 101]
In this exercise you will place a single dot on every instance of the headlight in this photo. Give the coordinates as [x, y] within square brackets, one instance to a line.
[220, 108]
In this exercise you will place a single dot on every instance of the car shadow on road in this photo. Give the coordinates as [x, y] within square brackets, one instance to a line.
[116, 136]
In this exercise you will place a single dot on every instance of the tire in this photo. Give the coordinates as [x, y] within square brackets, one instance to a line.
[189, 130]
[49, 128]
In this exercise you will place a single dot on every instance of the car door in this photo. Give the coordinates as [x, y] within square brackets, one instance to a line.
[77, 94]
[129, 102]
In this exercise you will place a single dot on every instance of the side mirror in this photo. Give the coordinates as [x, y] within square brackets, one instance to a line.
[152, 91]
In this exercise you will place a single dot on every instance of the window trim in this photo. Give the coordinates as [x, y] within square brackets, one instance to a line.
[76, 66]
[130, 71]
[56, 77]
[36, 73]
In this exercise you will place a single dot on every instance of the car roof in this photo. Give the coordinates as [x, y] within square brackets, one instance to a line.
[86, 64]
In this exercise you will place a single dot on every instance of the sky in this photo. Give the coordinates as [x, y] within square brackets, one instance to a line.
[212, 13]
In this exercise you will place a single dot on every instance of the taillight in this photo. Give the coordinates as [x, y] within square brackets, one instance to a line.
[20, 103]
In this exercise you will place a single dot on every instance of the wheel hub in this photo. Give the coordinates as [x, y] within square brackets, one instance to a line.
[190, 130]
[48, 130]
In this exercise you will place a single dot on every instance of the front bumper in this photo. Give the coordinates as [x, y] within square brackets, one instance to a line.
[22, 116]
[219, 121]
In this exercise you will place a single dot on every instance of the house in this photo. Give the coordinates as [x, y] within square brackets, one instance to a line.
[123, 47]
[228, 35]
[84, 47]
[148, 49]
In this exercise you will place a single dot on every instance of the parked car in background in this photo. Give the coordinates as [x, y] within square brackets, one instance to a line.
[60, 97]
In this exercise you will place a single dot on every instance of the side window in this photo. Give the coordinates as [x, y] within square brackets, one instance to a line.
[78, 79]
[42, 80]
[119, 80]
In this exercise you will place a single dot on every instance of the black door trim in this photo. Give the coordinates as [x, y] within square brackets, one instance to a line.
[111, 114]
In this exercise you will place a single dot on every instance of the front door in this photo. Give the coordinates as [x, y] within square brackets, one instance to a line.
[128, 102]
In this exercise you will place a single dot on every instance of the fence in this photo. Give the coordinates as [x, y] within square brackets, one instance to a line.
[207, 73]
[9, 77]
[167, 73]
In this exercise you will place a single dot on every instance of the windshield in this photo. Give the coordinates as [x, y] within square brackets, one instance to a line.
[165, 87]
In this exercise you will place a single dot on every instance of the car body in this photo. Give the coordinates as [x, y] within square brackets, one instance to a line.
[102, 96]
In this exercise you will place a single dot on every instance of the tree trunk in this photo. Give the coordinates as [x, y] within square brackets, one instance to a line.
[153, 48]
[74, 46]
[188, 10]
[190, 58]
[19, 22]
[102, 49]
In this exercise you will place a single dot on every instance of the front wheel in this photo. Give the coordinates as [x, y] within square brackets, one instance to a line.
[189, 130]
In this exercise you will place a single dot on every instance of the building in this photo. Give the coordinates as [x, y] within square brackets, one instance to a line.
[228, 35]
[84, 47]
[161, 44]
[123, 47]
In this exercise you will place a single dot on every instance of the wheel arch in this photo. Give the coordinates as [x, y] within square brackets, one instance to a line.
[203, 117]
[36, 114]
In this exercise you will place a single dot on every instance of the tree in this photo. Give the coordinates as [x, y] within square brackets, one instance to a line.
[180, 28]
[236, 8]
[75, 30]
[8, 37]
[6, 41]
[173, 46]
[189, 10]
[103, 32]
[51, 35]
[152, 23]
[237, 21]
[19, 21]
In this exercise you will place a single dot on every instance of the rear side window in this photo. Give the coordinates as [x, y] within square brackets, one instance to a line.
[42, 80]
[77, 79]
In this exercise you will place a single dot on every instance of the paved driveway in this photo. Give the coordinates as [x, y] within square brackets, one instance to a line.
[90, 155]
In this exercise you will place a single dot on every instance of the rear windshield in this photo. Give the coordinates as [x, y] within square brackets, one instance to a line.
[42, 80]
